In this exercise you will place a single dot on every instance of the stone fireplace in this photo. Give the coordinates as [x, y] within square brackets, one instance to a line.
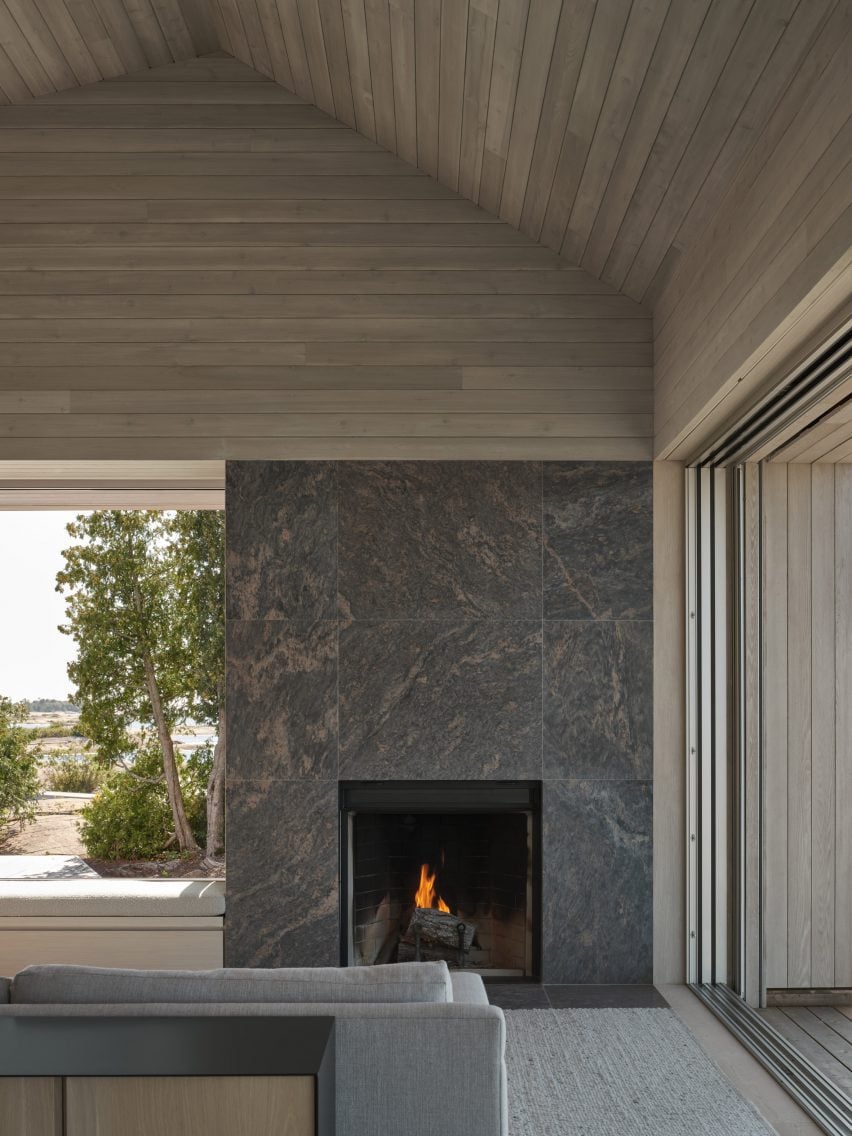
[444, 624]
[471, 850]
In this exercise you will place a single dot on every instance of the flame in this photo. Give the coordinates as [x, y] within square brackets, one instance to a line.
[427, 894]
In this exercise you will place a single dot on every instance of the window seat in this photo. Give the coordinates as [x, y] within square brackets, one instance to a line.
[146, 924]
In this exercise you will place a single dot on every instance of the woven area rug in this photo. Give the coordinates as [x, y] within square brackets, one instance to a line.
[617, 1073]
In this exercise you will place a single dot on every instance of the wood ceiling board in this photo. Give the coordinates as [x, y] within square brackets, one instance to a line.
[572, 34]
[829, 433]
[620, 109]
[607, 130]
[505, 71]
[241, 301]
[52, 45]
[592, 85]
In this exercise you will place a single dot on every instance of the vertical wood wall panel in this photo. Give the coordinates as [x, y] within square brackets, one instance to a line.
[775, 723]
[843, 725]
[823, 698]
[799, 727]
[807, 619]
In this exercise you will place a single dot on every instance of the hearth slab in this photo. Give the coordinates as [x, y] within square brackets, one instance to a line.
[615, 997]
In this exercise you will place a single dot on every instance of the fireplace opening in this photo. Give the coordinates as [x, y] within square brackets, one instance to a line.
[445, 870]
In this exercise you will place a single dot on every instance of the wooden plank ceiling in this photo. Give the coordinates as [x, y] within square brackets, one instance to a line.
[50, 45]
[828, 441]
[195, 264]
[604, 129]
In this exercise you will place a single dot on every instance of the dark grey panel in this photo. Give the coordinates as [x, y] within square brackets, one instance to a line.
[596, 903]
[282, 699]
[432, 700]
[282, 887]
[518, 995]
[589, 997]
[281, 520]
[598, 707]
[597, 540]
[440, 540]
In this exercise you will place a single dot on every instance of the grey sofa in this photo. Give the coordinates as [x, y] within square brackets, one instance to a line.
[419, 1049]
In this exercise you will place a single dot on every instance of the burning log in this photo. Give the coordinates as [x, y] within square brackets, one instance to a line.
[432, 926]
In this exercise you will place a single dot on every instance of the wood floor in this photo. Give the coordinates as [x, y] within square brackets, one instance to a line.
[823, 1034]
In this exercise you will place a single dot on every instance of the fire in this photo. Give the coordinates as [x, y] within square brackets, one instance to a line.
[427, 894]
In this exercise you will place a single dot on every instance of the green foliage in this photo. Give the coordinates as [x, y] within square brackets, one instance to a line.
[130, 818]
[145, 606]
[194, 777]
[119, 606]
[66, 772]
[197, 564]
[18, 764]
[56, 730]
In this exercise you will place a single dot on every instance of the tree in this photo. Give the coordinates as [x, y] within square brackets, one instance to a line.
[198, 560]
[18, 764]
[142, 645]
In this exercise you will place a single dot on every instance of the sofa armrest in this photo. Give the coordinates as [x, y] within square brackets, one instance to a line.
[421, 1068]
[468, 988]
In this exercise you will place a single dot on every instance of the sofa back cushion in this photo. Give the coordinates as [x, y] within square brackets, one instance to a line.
[400, 982]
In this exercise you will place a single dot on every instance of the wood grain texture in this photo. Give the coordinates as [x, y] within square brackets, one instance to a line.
[669, 724]
[775, 722]
[692, 154]
[609, 131]
[807, 518]
[31, 1106]
[192, 289]
[189, 1106]
[769, 268]
[53, 45]
[141, 946]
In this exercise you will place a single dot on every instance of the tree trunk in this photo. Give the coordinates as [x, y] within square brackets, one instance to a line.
[186, 841]
[216, 787]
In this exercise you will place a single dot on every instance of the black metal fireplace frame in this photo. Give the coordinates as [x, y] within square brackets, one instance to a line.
[488, 797]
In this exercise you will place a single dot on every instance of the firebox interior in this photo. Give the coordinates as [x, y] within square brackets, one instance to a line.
[445, 871]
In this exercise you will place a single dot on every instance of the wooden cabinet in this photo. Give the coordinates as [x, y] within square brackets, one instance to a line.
[102, 1076]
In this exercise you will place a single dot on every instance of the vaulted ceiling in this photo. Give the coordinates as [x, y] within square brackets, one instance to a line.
[605, 129]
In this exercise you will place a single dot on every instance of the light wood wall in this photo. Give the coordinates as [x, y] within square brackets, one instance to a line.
[669, 724]
[198, 265]
[774, 267]
[807, 619]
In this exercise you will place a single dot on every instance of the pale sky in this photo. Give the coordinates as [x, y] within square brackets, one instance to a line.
[33, 654]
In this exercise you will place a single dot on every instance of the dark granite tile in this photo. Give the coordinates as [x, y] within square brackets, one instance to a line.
[633, 997]
[597, 540]
[440, 700]
[596, 901]
[281, 523]
[517, 995]
[282, 699]
[440, 540]
[281, 886]
[598, 709]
